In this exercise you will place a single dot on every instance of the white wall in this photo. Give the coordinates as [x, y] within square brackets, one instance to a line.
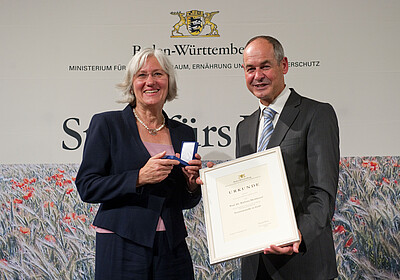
[355, 44]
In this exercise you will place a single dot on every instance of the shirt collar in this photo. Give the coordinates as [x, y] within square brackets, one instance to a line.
[279, 102]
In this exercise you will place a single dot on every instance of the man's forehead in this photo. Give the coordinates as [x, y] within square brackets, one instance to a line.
[261, 54]
[257, 61]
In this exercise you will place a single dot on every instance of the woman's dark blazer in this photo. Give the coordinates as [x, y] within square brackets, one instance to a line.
[112, 157]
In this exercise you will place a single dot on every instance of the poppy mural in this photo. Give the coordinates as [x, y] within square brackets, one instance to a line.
[46, 230]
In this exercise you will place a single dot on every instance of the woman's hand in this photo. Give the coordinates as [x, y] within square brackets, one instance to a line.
[155, 170]
[209, 165]
[192, 172]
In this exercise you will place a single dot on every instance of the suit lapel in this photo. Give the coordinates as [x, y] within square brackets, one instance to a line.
[175, 139]
[130, 122]
[289, 114]
[253, 123]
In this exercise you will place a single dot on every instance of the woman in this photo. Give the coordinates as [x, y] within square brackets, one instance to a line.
[140, 226]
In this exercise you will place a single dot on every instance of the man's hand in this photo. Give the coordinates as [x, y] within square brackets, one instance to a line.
[284, 250]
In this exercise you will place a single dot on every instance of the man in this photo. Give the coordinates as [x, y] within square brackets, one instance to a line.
[307, 132]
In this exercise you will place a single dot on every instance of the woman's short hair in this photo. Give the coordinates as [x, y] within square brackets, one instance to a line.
[136, 63]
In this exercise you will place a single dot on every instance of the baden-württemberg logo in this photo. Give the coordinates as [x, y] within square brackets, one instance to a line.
[195, 22]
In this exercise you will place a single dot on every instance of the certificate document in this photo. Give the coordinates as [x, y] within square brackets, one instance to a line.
[247, 206]
[241, 200]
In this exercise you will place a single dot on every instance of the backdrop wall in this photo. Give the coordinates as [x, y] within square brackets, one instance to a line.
[60, 62]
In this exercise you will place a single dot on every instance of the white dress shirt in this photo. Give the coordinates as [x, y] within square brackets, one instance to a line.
[277, 105]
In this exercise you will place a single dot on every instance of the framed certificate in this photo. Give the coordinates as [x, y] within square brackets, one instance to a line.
[247, 206]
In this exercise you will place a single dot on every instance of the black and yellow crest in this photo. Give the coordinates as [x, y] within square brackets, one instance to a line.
[195, 22]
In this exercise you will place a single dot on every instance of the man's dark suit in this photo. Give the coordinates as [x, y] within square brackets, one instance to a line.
[307, 132]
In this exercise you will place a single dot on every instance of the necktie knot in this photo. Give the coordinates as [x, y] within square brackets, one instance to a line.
[268, 113]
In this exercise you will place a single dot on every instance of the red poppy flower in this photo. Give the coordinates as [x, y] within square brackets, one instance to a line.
[24, 230]
[17, 201]
[339, 229]
[46, 204]
[74, 216]
[386, 180]
[50, 238]
[70, 190]
[28, 195]
[82, 218]
[67, 219]
[349, 242]
[355, 200]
